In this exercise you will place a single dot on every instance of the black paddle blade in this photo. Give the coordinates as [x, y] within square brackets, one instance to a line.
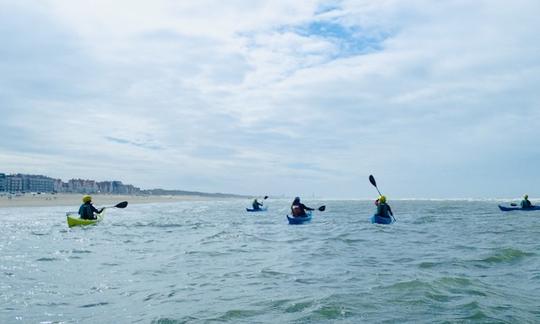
[322, 208]
[372, 180]
[123, 204]
[265, 197]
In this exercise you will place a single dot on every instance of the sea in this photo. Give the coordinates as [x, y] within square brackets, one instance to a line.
[212, 262]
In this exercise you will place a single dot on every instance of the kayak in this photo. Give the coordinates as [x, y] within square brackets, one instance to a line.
[375, 219]
[75, 220]
[257, 210]
[299, 220]
[504, 208]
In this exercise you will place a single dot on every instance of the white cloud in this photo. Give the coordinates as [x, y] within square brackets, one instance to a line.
[210, 96]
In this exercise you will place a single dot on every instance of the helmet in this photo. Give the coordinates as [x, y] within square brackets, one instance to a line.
[382, 199]
[526, 196]
[86, 199]
[296, 200]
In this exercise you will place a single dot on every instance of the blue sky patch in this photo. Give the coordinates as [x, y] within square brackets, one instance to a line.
[350, 40]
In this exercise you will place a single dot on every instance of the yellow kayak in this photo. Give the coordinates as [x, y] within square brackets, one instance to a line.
[75, 220]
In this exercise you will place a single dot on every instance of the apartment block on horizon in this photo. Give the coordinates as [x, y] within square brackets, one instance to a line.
[39, 183]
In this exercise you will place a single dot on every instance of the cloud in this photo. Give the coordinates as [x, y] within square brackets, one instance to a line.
[141, 144]
[246, 96]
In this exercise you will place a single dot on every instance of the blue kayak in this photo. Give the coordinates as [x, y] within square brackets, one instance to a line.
[299, 220]
[375, 219]
[512, 208]
[257, 210]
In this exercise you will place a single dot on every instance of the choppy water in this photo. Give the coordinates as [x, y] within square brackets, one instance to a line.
[199, 262]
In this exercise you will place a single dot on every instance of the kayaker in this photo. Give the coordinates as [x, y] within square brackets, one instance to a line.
[526, 203]
[298, 209]
[87, 210]
[256, 204]
[383, 209]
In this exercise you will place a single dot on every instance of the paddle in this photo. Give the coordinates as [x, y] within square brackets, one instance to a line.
[372, 180]
[122, 204]
[374, 183]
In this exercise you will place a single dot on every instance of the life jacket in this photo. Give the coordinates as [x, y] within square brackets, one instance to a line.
[525, 203]
[382, 210]
[86, 211]
[297, 210]
[255, 204]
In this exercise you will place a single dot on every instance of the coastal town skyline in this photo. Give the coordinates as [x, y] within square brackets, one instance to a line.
[34, 183]
[19, 182]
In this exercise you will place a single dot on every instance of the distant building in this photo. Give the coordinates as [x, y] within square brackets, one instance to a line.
[59, 185]
[2, 182]
[82, 186]
[105, 187]
[14, 183]
[39, 183]
[36, 183]
[118, 187]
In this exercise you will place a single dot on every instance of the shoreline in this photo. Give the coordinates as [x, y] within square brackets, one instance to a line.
[68, 199]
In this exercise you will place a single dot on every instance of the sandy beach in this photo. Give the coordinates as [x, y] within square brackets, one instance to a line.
[63, 199]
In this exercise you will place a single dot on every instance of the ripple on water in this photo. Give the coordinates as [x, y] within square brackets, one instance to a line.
[441, 290]
[47, 259]
[296, 307]
[183, 320]
[40, 233]
[329, 312]
[237, 314]
[75, 251]
[94, 305]
[507, 255]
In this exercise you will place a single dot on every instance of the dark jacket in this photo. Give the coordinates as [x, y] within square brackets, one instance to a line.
[256, 204]
[87, 210]
[526, 203]
[384, 210]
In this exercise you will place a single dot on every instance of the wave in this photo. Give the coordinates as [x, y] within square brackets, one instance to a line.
[47, 259]
[507, 255]
[166, 320]
[94, 305]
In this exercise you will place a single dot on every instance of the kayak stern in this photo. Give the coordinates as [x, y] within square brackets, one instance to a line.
[375, 219]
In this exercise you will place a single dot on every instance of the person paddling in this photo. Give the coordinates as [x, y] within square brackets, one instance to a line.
[383, 209]
[87, 210]
[298, 209]
[526, 203]
[256, 204]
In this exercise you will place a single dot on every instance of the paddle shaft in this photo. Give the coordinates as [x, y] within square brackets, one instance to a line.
[122, 204]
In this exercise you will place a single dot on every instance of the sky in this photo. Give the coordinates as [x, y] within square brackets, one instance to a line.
[436, 99]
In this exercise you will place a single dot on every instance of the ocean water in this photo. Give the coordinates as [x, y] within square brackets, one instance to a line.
[211, 262]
